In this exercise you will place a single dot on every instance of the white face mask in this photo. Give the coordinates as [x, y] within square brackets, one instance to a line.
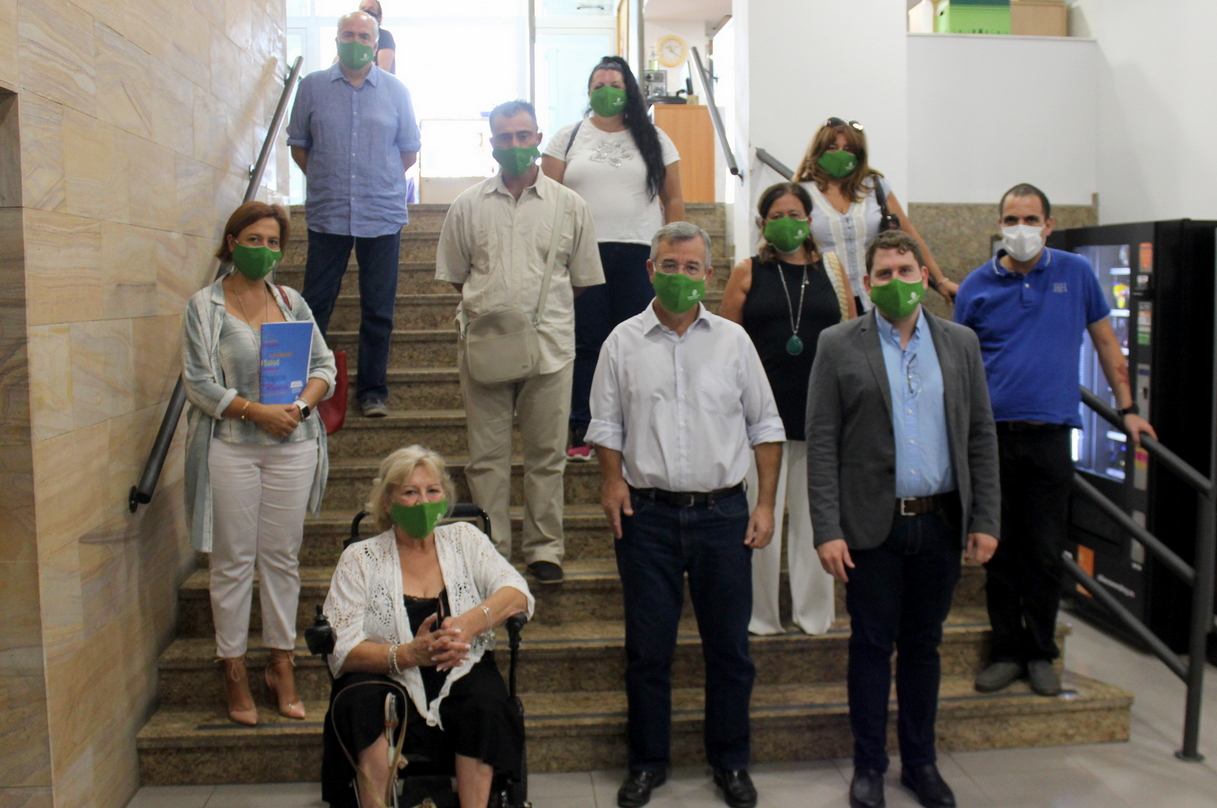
[1022, 241]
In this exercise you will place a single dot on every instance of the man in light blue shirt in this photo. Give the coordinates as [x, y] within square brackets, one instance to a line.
[353, 134]
[902, 476]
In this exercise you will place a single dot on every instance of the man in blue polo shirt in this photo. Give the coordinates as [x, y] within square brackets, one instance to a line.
[353, 134]
[1030, 306]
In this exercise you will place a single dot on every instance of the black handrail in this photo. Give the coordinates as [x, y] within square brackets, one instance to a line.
[1200, 574]
[707, 83]
[776, 164]
[141, 494]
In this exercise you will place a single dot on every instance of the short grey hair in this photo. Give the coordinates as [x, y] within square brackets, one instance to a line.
[679, 231]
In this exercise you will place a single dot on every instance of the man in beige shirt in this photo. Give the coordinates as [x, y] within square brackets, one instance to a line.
[493, 249]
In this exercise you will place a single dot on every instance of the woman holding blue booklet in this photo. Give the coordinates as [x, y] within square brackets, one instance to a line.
[253, 467]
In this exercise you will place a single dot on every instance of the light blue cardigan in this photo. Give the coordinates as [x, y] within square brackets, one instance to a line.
[209, 397]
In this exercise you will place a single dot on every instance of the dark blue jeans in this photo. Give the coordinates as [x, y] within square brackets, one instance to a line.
[659, 545]
[626, 291]
[328, 255]
[898, 596]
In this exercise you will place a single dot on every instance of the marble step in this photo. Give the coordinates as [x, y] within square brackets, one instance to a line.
[590, 656]
[441, 430]
[417, 245]
[420, 312]
[591, 592]
[582, 731]
[350, 479]
[421, 389]
[423, 349]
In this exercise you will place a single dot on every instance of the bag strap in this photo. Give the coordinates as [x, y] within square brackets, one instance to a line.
[881, 198]
[552, 257]
[840, 284]
[571, 142]
[283, 295]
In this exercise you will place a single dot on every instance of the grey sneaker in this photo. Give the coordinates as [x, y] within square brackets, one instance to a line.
[998, 676]
[373, 408]
[1043, 678]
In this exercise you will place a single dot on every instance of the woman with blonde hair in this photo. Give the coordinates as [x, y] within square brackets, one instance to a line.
[414, 609]
[851, 200]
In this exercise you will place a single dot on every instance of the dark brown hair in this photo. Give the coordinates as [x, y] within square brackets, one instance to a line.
[809, 170]
[897, 240]
[765, 251]
[1024, 189]
[246, 215]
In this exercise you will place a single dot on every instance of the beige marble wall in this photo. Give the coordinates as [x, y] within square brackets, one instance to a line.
[138, 120]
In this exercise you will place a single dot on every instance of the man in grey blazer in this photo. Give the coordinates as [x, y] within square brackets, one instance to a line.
[902, 475]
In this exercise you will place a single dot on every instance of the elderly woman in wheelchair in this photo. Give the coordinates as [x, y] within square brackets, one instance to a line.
[413, 611]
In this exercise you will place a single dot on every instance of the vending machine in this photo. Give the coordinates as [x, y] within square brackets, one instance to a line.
[1158, 279]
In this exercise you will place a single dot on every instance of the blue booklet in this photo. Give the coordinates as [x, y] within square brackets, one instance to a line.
[286, 348]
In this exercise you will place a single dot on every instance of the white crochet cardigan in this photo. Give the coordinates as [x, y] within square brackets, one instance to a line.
[365, 599]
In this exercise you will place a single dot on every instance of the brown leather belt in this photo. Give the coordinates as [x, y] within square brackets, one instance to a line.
[919, 506]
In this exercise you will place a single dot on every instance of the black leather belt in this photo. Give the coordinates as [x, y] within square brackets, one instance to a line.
[919, 506]
[1029, 426]
[688, 499]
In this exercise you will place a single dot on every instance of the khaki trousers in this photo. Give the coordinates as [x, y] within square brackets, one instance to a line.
[542, 406]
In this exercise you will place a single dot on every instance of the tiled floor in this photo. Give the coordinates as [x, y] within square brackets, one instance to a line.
[1140, 774]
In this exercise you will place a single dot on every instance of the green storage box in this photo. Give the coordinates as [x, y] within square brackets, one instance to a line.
[957, 18]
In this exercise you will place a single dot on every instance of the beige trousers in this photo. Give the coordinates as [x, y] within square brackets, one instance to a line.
[541, 405]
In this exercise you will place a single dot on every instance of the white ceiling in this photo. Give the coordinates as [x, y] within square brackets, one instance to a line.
[709, 10]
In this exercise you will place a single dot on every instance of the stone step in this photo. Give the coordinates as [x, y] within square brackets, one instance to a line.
[441, 430]
[416, 246]
[591, 592]
[408, 350]
[350, 480]
[422, 389]
[583, 731]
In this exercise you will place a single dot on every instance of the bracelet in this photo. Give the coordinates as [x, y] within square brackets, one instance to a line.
[246, 407]
[486, 609]
[393, 666]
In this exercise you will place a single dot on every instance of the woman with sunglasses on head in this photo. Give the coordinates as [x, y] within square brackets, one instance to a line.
[784, 296]
[628, 171]
[849, 200]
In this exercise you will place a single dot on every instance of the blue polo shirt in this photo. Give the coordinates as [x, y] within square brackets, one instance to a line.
[354, 136]
[1030, 331]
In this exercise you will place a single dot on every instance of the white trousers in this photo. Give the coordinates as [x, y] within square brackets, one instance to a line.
[811, 588]
[260, 495]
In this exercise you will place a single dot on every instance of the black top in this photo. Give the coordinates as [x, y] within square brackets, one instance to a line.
[767, 319]
[418, 610]
[386, 41]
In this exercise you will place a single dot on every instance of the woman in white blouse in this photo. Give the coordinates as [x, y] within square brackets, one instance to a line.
[845, 204]
[415, 608]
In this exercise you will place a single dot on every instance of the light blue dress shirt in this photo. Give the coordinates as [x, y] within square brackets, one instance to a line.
[355, 137]
[919, 418]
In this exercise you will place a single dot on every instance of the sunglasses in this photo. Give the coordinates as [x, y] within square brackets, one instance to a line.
[835, 122]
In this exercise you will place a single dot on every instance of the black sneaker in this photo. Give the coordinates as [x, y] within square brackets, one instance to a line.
[546, 572]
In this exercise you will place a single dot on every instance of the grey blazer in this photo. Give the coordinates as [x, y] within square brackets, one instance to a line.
[851, 450]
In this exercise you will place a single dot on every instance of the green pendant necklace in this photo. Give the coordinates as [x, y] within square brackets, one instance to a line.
[794, 345]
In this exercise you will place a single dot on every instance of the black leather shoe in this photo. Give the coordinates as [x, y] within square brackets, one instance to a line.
[635, 792]
[866, 789]
[737, 788]
[928, 786]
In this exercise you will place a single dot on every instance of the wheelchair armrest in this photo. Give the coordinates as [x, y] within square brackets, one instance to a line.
[319, 637]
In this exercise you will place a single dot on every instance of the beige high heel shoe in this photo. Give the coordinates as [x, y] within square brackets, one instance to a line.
[283, 687]
[241, 708]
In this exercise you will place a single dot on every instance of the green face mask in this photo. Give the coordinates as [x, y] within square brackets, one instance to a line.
[677, 292]
[255, 263]
[607, 101]
[786, 234]
[354, 55]
[418, 520]
[838, 164]
[515, 160]
[897, 299]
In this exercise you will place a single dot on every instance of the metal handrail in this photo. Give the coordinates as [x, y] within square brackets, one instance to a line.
[1199, 575]
[707, 83]
[141, 494]
[776, 164]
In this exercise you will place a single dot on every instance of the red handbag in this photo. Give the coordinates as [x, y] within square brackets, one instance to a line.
[333, 410]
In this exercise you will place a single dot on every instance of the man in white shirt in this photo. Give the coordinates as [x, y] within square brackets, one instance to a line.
[678, 398]
[493, 249]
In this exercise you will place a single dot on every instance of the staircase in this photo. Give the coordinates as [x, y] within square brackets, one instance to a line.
[572, 661]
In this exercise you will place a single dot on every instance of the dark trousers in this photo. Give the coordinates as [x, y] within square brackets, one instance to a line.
[626, 291]
[659, 545]
[898, 596]
[1023, 587]
[328, 255]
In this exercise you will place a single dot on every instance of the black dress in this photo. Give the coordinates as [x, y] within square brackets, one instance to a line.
[767, 318]
[479, 719]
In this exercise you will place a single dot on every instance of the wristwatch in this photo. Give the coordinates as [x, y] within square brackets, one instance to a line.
[304, 408]
[1131, 409]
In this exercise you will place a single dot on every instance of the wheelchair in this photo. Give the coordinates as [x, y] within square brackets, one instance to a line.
[423, 782]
